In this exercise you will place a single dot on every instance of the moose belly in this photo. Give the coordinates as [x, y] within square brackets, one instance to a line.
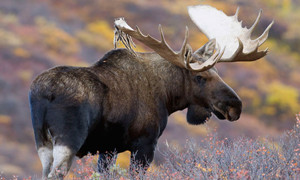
[103, 139]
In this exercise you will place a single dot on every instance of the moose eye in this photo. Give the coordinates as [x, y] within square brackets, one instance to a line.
[200, 80]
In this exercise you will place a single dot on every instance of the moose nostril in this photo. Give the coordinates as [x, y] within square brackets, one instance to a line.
[234, 114]
[235, 111]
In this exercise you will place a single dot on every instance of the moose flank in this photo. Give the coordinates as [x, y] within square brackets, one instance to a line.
[122, 102]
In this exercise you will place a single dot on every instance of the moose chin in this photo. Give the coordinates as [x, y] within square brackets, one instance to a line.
[122, 102]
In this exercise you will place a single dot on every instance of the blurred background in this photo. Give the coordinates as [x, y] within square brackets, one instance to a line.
[39, 34]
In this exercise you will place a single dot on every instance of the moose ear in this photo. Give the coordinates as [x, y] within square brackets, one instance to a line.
[207, 49]
[197, 115]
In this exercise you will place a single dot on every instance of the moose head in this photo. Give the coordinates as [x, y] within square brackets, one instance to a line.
[229, 42]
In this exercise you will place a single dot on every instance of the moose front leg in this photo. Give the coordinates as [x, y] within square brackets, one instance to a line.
[141, 158]
[106, 159]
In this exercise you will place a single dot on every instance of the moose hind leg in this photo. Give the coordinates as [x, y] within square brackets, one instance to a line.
[63, 157]
[46, 157]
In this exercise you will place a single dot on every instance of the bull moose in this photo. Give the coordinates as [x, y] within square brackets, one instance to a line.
[122, 102]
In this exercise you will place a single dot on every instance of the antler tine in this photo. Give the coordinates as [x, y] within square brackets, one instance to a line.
[251, 29]
[181, 61]
[163, 40]
[139, 31]
[265, 34]
[185, 39]
[209, 63]
[237, 13]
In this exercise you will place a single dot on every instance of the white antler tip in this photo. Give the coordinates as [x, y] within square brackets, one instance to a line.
[186, 31]
[266, 50]
[121, 23]
[270, 25]
[160, 29]
[237, 13]
[265, 34]
[251, 29]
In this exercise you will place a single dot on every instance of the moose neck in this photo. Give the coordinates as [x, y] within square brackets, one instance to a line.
[177, 90]
[175, 81]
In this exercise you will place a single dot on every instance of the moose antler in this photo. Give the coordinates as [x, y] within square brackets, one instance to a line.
[181, 59]
[229, 33]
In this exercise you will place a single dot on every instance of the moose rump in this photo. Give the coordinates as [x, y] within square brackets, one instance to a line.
[64, 106]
